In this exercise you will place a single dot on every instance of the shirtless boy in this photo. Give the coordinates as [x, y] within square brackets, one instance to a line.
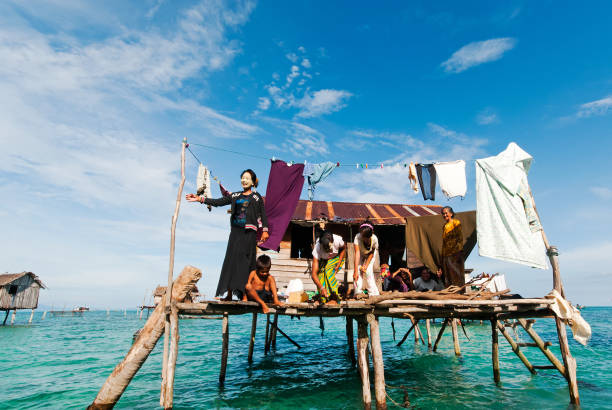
[261, 286]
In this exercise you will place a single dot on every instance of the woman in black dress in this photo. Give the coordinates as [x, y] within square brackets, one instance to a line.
[247, 215]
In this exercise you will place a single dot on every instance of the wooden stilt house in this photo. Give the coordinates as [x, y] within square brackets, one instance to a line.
[19, 291]
[294, 259]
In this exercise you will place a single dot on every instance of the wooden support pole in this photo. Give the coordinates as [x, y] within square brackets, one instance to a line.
[172, 356]
[225, 348]
[31, 316]
[455, 337]
[440, 333]
[267, 342]
[515, 348]
[123, 373]
[44, 315]
[569, 362]
[252, 341]
[274, 331]
[362, 360]
[543, 346]
[5, 317]
[378, 363]
[495, 351]
[428, 329]
[349, 339]
[13, 316]
[414, 323]
[168, 295]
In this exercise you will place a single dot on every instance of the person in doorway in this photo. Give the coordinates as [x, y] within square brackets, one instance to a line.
[400, 280]
[327, 259]
[452, 249]
[366, 249]
[247, 214]
[261, 286]
[426, 282]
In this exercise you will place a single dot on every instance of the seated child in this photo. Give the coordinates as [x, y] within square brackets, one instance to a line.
[426, 282]
[261, 286]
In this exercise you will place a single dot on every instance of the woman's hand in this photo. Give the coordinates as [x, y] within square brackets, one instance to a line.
[192, 198]
[264, 237]
[355, 277]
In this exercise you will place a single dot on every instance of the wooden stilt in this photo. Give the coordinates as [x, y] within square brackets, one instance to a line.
[378, 363]
[349, 339]
[414, 323]
[168, 295]
[428, 329]
[455, 337]
[416, 330]
[44, 315]
[31, 316]
[13, 316]
[252, 341]
[540, 343]
[123, 373]
[140, 315]
[172, 356]
[440, 333]
[267, 343]
[224, 351]
[362, 360]
[274, 331]
[495, 350]
[515, 347]
[569, 361]
[5, 317]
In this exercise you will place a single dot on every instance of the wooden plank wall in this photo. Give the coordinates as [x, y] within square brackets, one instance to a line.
[26, 296]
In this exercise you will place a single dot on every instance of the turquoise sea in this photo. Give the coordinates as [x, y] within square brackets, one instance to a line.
[62, 362]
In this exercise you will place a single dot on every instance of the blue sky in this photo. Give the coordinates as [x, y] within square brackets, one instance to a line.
[96, 98]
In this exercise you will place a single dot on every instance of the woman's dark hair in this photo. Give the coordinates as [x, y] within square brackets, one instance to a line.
[253, 176]
[325, 239]
[449, 210]
[366, 228]
[263, 262]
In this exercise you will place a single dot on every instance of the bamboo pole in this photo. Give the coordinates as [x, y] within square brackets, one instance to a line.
[455, 337]
[224, 351]
[349, 339]
[252, 341]
[118, 380]
[31, 316]
[378, 363]
[172, 356]
[171, 271]
[362, 360]
[542, 345]
[495, 350]
[515, 348]
[440, 333]
[428, 330]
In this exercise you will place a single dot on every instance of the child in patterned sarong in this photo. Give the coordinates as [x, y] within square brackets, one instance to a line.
[327, 259]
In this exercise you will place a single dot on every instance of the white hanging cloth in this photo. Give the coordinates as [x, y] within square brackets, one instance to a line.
[203, 182]
[581, 330]
[508, 228]
[451, 177]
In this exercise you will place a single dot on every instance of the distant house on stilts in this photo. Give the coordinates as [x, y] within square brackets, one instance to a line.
[19, 291]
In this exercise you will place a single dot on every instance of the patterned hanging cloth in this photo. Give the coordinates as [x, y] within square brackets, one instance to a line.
[203, 183]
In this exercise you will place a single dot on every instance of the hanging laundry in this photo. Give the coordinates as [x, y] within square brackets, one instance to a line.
[321, 171]
[504, 209]
[285, 185]
[427, 179]
[203, 182]
[309, 169]
[412, 177]
[451, 177]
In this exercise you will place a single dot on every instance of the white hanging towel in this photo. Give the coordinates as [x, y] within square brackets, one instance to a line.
[451, 177]
[203, 182]
[412, 176]
[581, 330]
[504, 209]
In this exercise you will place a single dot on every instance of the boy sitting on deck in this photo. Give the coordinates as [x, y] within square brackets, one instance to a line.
[261, 286]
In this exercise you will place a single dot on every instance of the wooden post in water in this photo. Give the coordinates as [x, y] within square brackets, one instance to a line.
[13, 316]
[116, 383]
[378, 363]
[515, 348]
[267, 341]
[428, 329]
[172, 356]
[44, 315]
[455, 337]
[274, 331]
[168, 295]
[252, 341]
[495, 350]
[31, 316]
[444, 323]
[225, 348]
[362, 360]
[349, 338]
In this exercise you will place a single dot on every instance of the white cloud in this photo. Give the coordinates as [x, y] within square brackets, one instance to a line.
[295, 71]
[301, 49]
[477, 53]
[322, 102]
[598, 107]
[487, 116]
[264, 103]
[292, 57]
[602, 192]
[302, 140]
[306, 63]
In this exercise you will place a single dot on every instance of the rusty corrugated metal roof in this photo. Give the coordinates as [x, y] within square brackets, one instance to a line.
[379, 214]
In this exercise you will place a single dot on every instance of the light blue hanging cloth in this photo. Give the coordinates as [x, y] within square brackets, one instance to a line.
[319, 173]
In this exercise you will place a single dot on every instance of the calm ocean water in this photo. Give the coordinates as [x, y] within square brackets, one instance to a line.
[62, 362]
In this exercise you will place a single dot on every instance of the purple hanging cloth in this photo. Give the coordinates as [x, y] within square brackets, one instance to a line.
[282, 194]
